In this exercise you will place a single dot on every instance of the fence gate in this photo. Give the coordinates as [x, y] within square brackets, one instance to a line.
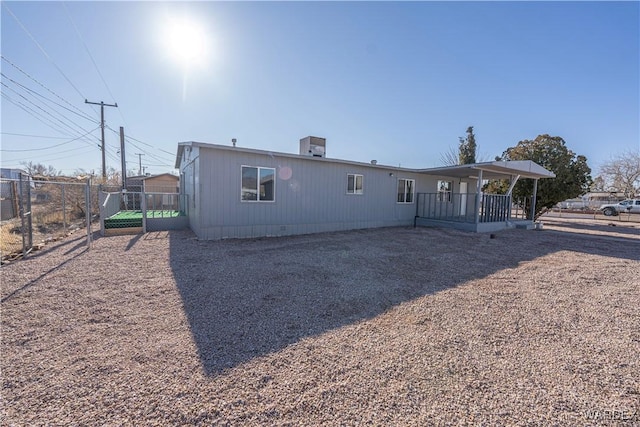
[43, 209]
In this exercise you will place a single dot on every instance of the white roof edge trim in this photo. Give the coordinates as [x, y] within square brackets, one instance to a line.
[525, 168]
[204, 145]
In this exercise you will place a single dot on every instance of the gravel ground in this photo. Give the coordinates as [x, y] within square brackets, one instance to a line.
[393, 326]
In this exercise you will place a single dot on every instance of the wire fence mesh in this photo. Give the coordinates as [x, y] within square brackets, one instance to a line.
[38, 211]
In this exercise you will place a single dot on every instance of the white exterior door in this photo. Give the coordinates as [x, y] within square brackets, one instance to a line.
[463, 198]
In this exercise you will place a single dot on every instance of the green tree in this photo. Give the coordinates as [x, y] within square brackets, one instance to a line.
[467, 148]
[572, 172]
[466, 153]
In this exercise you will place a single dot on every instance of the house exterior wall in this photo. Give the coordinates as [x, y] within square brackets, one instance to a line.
[310, 195]
[189, 184]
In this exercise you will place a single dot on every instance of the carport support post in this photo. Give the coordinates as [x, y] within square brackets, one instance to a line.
[478, 198]
[534, 199]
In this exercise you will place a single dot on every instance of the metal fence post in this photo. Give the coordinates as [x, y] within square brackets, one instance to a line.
[64, 210]
[25, 215]
[21, 213]
[15, 201]
[87, 203]
[143, 208]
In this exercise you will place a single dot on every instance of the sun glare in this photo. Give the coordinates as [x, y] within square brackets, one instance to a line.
[185, 42]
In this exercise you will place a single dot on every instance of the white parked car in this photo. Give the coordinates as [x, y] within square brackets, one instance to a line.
[629, 205]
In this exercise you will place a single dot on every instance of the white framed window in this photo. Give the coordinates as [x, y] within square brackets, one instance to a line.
[405, 190]
[354, 183]
[258, 184]
[444, 191]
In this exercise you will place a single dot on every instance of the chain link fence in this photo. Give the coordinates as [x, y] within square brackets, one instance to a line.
[35, 212]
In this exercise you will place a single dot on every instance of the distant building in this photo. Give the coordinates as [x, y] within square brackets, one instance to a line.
[162, 183]
[165, 183]
[9, 191]
[8, 173]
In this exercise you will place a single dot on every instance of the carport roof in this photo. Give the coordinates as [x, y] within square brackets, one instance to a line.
[493, 170]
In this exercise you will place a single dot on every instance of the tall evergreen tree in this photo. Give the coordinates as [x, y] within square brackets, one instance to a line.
[467, 148]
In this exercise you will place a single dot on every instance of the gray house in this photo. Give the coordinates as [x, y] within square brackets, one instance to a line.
[233, 192]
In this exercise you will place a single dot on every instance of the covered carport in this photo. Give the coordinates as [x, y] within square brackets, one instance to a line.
[482, 212]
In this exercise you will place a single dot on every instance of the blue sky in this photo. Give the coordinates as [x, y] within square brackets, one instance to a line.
[398, 82]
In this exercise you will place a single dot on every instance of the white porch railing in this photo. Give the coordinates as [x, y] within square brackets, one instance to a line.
[462, 207]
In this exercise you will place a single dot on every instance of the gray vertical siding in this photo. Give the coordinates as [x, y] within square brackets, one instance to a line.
[189, 174]
[313, 199]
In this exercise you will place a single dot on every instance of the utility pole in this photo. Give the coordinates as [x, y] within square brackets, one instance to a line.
[139, 163]
[102, 105]
[122, 159]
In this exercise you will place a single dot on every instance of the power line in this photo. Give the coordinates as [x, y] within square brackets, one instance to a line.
[33, 92]
[52, 146]
[48, 118]
[70, 131]
[34, 114]
[149, 145]
[45, 158]
[26, 109]
[45, 111]
[159, 159]
[44, 52]
[38, 82]
[88, 51]
[33, 136]
[129, 138]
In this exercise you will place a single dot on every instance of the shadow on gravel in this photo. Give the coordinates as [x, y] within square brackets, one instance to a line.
[605, 227]
[247, 298]
[34, 281]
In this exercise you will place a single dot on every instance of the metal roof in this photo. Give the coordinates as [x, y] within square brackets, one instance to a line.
[490, 170]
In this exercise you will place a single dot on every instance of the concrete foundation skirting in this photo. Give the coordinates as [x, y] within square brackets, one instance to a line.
[272, 230]
[483, 227]
[163, 224]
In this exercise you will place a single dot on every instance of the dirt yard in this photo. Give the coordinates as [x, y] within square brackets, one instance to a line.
[395, 326]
